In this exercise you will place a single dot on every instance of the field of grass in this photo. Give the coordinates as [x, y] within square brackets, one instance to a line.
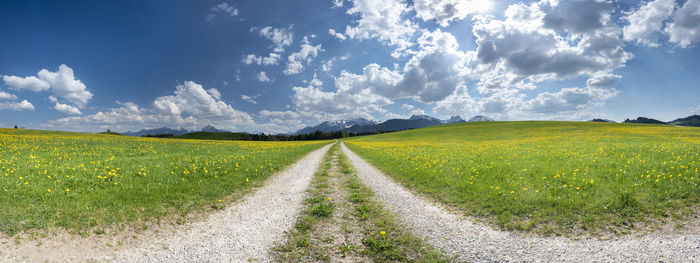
[548, 177]
[88, 182]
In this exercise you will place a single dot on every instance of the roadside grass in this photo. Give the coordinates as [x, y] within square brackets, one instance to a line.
[93, 183]
[550, 178]
[299, 246]
[384, 239]
[378, 236]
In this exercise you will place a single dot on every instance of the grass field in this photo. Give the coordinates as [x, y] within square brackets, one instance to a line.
[548, 177]
[89, 182]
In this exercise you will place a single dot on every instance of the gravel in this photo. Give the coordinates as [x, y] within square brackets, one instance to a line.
[245, 231]
[458, 236]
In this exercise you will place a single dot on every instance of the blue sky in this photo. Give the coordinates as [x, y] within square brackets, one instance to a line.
[277, 66]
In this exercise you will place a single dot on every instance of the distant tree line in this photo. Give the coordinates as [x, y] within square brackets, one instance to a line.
[318, 135]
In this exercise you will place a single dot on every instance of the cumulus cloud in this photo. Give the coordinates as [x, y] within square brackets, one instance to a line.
[383, 20]
[569, 99]
[250, 99]
[7, 96]
[61, 83]
[576, 16]
[684, 29]
[64, 108]
[603, 80]
[530, 45]
[660, 19]
[315, 81]
[28, 83]
[190, 106]
[337, 35]
[16, 106]
[298, 60]
[64, 85]
[271, 59]
[458, 103]
[646, 23]
[446, 11]
[222, 8]
[280, 37]
[7, 103]
[262, 77]
[435, 71]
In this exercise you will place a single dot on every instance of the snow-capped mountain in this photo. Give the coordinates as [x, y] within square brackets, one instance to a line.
[331, 126]
[210, 128]
[423, 117]
[480, 118]
[454, 119]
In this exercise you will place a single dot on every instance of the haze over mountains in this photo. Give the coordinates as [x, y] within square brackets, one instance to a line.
[361, 125]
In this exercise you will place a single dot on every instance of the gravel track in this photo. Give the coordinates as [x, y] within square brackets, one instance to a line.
[245, 231]
[458, 236]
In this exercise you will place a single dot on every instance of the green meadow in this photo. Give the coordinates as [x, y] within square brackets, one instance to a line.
[91, 182]
[549, 178]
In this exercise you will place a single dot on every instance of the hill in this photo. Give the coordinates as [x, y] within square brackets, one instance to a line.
[156, 131]
[644, 120]
[202, 135]
[693, 120]
[547, 177]
[110, 133]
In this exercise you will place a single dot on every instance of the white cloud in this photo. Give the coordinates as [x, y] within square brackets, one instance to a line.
[249, 98]
[61, 83]
[262, 77]
[271, 59]
[382, 20]
[435, 71]
[67, 109]
[446, 11]
[576, 17]
[530, 45]
[458, 103]
[327, 65]
[315, 81]
[17, 106]
[7, 96]
[694, 110]
[337, 3]
[28, 83]
[190, 106]
[280, 37]
[408, 107]
[297, 60]
[280, 114]
[418, 112]
[64, 85]
[646, 23]
[603, 80]
[223, 8]
[684, 29]
[64, 108]
[570, 100]
[337, 35]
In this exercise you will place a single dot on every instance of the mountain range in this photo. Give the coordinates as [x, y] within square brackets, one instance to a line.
[174, 132]
[361, 125]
